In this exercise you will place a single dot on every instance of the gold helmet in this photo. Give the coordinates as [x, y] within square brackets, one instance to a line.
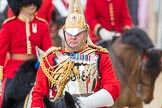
[75, 22]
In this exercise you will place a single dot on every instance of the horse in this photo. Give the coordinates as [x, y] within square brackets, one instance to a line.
[137, 64]
[66, 101]
[22, 83]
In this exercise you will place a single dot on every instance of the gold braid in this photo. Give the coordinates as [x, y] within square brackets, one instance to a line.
[64, 78]
[99, 48]
[59, 77]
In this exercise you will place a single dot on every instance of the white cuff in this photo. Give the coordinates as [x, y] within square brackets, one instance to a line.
[106, 35]
[99, 99]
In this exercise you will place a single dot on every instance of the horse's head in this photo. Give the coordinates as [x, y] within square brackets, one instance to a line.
[150, 67]
[66, 101]
[141, 62]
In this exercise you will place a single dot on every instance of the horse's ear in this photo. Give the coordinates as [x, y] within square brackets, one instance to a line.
[39, 53]
[69, 100]
[47, 102]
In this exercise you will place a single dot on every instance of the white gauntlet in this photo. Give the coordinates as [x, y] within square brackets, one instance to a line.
[105, 34]
[99, 99]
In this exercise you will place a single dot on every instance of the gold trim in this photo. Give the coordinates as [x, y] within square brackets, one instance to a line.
[28, 42]
[41, 19]
[9, 19]
[111, 10]
[127, 27]
[1, 67]
[88, 50]
[99, 48]
[26, 101]
[59, 77]
[1, 73]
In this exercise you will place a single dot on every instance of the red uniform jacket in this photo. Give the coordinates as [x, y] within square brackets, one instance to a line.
[44, 12]
[109, 81]
[13, 40]
[110, 14]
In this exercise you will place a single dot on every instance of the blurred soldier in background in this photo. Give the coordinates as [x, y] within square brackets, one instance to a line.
[105, 24]
[19, 36]
[44, 12]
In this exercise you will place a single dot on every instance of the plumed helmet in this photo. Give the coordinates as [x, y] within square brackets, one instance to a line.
[75, 22]
[15, 5]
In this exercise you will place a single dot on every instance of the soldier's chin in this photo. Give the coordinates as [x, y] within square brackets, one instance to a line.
[74, 46]
[75, 49]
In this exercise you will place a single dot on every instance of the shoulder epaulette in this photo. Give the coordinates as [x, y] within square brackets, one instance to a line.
[41, 19]
[99, 48]
[48, 53]
[9, 19]
[51, 50]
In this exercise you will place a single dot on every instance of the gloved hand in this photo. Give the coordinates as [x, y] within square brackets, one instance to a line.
[99, 99]
[105, 34]
[1, 73]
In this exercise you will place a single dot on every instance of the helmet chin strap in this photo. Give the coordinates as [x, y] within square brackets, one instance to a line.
[77, 48]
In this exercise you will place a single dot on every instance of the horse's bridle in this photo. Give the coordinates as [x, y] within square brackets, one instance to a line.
[140, 82]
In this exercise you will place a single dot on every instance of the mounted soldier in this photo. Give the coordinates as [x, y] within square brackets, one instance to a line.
[81, 68]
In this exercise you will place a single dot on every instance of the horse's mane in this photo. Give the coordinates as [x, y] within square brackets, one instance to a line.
[23, 81]
[138, 38]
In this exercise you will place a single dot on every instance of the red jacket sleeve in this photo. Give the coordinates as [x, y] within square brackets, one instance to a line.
[109, 79]
[125, 15]
[4, 42]
[90, 13]
[40, 89]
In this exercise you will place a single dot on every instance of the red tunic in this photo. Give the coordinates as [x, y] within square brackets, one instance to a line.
[109, 81]
[44, 12]
[13, 41]
[110, 14]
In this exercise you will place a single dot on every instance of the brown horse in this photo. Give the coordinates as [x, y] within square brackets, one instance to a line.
[137, 64]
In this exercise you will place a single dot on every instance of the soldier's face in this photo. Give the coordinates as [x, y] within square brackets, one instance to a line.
[74, 41]
[29, 9]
